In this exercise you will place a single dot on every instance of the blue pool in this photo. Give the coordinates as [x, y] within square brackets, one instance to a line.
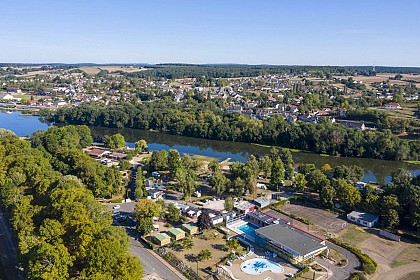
[249, 229]
[258, 266]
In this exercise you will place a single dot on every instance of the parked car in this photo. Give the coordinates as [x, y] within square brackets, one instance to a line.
[155, 174]
[116, 206]
[115, 212]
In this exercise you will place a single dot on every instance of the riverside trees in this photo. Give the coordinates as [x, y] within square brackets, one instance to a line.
[205, 120]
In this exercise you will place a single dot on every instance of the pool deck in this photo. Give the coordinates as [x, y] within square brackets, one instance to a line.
[237, 273]
[234, 227]
[235, 269]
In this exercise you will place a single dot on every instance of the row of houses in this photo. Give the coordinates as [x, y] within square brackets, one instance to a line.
[174, 234]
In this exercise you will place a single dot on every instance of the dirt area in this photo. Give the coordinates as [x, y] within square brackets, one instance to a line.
[409, 255]
[354, 235]
[411, 276]
[389, 255]
[323, 219]
[213, 241]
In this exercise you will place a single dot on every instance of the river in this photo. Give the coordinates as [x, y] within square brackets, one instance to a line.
[375, 170]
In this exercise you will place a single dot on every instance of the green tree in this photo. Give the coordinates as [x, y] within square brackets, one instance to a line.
[204, 255]
[146, 208]
[173, 214]
[115, 141]
[141, 146]
[392, 219]
[265, 164]
[316, 180]
[306, 168]
[174, 161]
[219, 182]
[232, 245]
[347, 195]
[277, 173]
[159, 160]
[238, 186]
[300, 182]
[204, 221]
[50, 261]
[327, 196]
[187, 243]
[229, 203]
[214, 166]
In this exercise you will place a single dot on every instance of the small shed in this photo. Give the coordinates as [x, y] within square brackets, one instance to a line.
[363, 218]
[189, 228]
[161, 239]
[261, 202]
[176, 233]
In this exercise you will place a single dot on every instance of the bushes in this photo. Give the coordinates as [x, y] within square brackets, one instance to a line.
[300, 273]
[368, 265]
[300, 219]
[357, 276]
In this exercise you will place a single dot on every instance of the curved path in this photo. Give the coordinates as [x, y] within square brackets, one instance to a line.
[398, 272]
[339, 273]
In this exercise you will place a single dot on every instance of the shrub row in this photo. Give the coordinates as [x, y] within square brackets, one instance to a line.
[300, 219]
[300, 273]
[357, 276]
[368, 265]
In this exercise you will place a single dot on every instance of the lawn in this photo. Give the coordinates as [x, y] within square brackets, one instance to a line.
[354, 235]
[409, 255]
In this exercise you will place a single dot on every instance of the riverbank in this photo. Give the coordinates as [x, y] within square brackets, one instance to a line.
[375, 170]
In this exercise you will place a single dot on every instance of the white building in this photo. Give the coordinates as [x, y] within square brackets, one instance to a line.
[362, 218]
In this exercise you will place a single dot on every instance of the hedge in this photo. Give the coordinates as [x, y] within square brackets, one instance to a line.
[300, 219]
[357, 276]
[300, 273]
[368, 265]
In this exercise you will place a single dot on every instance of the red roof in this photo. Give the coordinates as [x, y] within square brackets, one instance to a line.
[97, 152]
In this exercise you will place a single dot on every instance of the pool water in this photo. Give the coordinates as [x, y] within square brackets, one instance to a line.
[249, 229]
[257, 266]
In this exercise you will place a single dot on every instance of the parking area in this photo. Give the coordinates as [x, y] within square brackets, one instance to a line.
[327, 221]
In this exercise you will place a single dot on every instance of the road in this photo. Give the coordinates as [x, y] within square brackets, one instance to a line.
[8, 252]
[151, 263]
[339, 273]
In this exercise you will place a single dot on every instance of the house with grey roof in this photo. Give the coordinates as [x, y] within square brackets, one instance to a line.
[289, 243]
[363, 218]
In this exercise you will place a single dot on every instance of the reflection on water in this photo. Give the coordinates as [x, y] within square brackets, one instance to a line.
[375, 170]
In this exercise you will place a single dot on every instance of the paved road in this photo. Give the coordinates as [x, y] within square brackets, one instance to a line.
[341, 272]
[151, 264]
[8, 252]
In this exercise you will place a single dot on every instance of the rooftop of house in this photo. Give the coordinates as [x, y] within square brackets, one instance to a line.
[363, 216]
[176, 231]
[161, 236]
[291, 237]
[189, 226]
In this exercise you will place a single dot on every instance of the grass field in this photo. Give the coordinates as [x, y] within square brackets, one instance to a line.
[354, 235]
[409, 255]
[411, 276]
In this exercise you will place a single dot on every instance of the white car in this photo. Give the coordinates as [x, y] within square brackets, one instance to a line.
[116, 207]
[289, 275]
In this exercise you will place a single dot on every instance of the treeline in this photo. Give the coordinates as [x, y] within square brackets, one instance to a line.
[176, 71]
[62, 145]
[62, 231]
[202, 121]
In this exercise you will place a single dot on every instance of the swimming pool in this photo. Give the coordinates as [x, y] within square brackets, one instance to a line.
[257, 266]
[248, 228]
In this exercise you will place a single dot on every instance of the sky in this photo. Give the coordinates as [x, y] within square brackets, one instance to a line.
[298, 32]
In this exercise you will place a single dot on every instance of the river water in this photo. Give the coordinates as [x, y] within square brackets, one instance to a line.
[375, 170]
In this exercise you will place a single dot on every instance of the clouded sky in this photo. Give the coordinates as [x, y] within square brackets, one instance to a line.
[311, 32]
